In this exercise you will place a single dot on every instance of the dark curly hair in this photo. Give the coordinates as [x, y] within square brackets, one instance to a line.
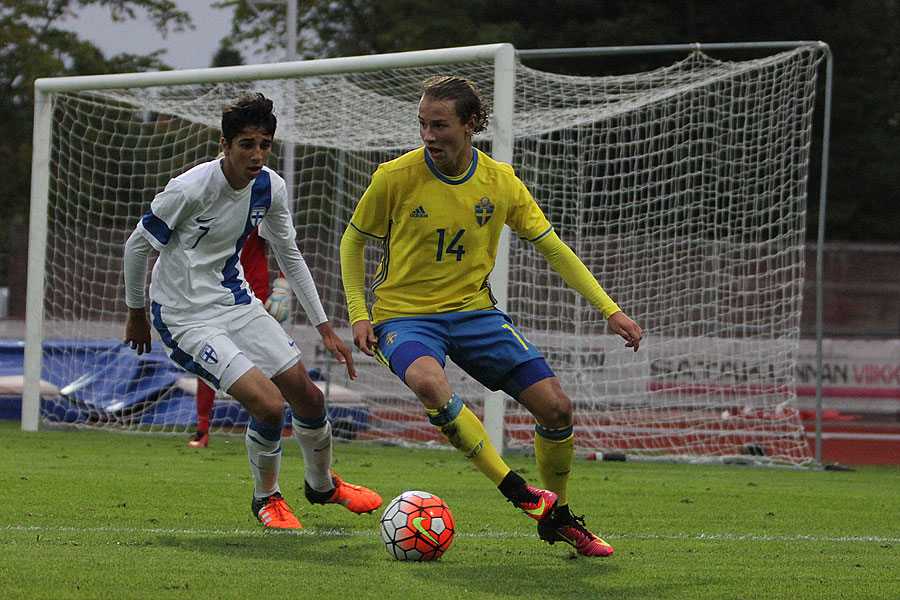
[464, 93]
[248, 110]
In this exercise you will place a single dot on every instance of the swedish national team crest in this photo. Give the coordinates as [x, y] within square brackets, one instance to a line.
[256, 214]
[483, 210]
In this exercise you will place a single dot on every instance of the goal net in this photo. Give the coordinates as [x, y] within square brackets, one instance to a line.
[683, 189]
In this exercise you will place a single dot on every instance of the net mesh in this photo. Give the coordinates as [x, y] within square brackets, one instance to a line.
[682, 189]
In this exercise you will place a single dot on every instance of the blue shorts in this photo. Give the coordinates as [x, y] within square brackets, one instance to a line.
[483, 343]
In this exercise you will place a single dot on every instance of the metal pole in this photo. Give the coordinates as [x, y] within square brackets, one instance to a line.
[820, 250]
[659, 48]
[301, 68]
[37, 243]
[501, 150]
[290, 55]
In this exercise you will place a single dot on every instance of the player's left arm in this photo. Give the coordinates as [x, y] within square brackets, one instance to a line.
[565, 262]
[337, 347]
[369, 222]
[277, 228]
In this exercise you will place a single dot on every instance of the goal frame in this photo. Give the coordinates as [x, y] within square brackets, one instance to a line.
[503, 56]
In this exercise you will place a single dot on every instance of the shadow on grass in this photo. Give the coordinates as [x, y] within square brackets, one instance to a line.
[469, 568]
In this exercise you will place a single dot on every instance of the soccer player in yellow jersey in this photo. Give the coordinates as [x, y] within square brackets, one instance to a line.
[438, 212]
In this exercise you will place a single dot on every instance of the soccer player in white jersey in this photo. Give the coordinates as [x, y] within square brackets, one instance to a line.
[212, 325]
[438, 212]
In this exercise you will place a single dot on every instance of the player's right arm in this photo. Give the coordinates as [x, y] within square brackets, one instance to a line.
[137, 326]
[369, 222]
[353, 275]
[153, 232]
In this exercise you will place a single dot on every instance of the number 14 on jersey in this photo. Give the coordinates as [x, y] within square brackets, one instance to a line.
[453, 247]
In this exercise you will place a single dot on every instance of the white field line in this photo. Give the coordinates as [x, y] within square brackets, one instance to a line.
[720, 537]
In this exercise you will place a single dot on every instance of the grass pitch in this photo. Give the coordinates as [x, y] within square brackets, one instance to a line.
[93, 514]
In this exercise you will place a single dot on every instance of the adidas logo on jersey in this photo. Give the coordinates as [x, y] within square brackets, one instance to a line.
[419, 213]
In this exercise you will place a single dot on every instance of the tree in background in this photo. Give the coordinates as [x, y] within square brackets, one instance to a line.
[227, 56]
[864, 181]
[32, 46]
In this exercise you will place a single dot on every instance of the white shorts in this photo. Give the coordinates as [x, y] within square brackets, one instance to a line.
[221, 348]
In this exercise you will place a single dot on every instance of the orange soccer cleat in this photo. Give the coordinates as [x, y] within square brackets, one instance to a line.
[354, 498]
[275, 512]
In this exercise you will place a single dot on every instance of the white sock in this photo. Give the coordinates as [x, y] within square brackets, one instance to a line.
[315, 443]
[264, 451]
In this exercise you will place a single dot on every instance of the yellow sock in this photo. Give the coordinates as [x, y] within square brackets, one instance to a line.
[467, 434]
[554, 462]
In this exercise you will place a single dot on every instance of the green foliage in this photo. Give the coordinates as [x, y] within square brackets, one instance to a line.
[34, 46]
[95, 514]
[226, 56]
[864, 181]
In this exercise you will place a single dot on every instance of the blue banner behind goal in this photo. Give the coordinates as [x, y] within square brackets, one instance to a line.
[105, 381]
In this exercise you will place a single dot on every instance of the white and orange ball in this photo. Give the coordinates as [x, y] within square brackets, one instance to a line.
[417, 526]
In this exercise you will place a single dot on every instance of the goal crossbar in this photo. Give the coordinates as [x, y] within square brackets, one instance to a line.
[282, 70]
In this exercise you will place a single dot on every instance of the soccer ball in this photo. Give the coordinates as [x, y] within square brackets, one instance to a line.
[416, 526]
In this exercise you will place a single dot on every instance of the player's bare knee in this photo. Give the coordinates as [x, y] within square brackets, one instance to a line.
[433, 394]
[564, 410]
[307, 400]
[549, 404]
[429, 386]
[557, 413]
[300, 391]
[268, 413]
[553, 410]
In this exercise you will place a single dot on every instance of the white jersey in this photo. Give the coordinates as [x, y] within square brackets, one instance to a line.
[199, 224]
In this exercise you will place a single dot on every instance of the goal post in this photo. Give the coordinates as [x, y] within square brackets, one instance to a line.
[683, 189]
[502, 150]
[37, 238]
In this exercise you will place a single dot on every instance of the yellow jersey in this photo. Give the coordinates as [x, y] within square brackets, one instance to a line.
[440, 234]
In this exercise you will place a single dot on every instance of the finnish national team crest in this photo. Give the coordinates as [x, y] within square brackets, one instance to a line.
[483, 210]
[209, 355]
[256, 214]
